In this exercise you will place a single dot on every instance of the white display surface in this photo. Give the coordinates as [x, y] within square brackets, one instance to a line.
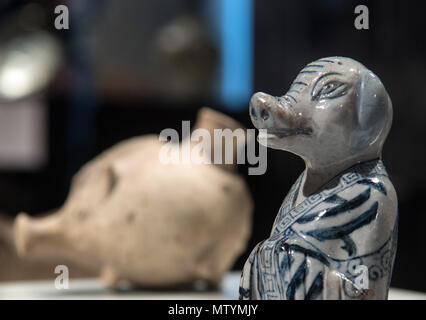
[94, 289]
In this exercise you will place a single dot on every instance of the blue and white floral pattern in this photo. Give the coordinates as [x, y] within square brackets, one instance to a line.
[315, 247]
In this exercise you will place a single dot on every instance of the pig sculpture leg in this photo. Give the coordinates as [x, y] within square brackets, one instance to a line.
[334, 236]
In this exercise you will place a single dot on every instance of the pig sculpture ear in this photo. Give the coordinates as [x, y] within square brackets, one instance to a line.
[373, 112]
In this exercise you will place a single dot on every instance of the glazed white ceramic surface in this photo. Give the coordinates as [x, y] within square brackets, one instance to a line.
[335, 234]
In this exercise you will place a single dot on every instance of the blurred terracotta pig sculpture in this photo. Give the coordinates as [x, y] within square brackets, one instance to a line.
[135, 218]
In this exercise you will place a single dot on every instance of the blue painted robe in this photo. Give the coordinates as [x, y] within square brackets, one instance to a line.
[339, 243]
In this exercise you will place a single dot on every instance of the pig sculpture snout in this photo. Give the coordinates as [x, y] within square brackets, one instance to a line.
[34, 234]
[260, 108]
[269, 112]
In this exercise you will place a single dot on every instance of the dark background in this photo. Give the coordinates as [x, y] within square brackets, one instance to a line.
[86, 118]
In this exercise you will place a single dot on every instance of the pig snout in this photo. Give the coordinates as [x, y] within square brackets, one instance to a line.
[34, 236]
[268, 112]
[260, 108]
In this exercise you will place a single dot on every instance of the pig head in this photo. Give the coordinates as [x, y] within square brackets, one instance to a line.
[335, 109]
[134, 218]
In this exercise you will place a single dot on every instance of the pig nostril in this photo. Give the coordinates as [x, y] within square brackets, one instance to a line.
[264, 114]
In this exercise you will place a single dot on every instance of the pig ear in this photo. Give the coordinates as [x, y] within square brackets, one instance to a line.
[372, 110]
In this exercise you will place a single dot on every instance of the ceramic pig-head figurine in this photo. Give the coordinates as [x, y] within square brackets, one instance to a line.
[334, 236]
[134, 218]
[336, 113]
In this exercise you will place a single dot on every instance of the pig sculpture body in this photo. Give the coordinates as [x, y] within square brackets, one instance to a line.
[335, 234]
[135, 218]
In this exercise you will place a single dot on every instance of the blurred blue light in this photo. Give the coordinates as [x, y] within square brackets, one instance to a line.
[236, 53]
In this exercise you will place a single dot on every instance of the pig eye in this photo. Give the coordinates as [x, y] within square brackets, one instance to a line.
[330, 87]
[330, 90]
